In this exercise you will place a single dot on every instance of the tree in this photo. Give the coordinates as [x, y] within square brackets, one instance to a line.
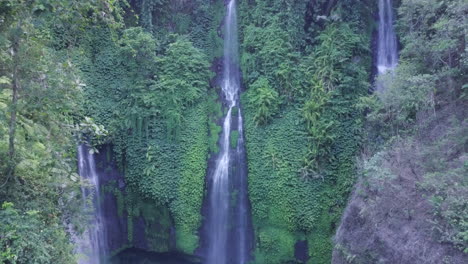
[40, 103]
[30, 238]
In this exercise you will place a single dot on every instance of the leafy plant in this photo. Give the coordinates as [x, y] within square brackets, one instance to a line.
[265, 99]
[29, 237]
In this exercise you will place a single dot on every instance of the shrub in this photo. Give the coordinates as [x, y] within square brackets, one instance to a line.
[265, 100]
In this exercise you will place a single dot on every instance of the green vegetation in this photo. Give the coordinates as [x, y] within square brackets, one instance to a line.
[157, 108]
[265, 100]
[29, 238]
[234, 138]
[414, 164]
[215, 112]
[41, 116]
[159, 139]
[279, 148]
[138, 78]
[302, 124]
[146, 86]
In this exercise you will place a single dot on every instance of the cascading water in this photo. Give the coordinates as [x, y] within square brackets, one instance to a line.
[92, 245]
[244, 230]
[227, 227]
[387, 53]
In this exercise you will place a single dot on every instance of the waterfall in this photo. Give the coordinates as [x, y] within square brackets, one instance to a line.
[91, 246]
[387, 54]
[227, 227]
[244, 229]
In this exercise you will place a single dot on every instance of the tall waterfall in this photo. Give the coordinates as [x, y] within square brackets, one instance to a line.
[92, 244]
[387, 54]
[227, 224]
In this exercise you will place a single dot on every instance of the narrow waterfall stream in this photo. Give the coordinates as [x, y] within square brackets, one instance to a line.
[92, 244]
[243, 214]
[228, 231]
[387, 53]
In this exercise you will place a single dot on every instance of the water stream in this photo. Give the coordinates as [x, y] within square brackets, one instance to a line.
[227, 224]
[387, 50]
[91, 245]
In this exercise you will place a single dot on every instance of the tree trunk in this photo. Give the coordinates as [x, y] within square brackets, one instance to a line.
[13, 111]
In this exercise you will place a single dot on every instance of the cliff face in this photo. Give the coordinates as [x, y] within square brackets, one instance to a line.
[132, 222]
[409, 206]
[113, 182]
[410, 203]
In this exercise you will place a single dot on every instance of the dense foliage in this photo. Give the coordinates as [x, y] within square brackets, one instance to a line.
[56, 69]
[137, 78]
[149, 86]
[40, 114]
[305, 69]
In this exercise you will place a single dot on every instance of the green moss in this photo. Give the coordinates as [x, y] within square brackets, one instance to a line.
[108, 153]
[215, 112]
[214, 106]
[214, 137]
[235, 111]
[157, 226]
[234, 198]
[120, 202]
[130, 228]
[234, 138]
[277, 246]
[111, 187]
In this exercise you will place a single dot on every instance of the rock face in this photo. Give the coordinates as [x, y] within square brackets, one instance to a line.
[150, 229]
[392, 217]
[109, 175]
[394, 230]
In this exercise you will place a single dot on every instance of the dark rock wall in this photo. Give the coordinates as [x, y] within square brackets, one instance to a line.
[138, 223]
